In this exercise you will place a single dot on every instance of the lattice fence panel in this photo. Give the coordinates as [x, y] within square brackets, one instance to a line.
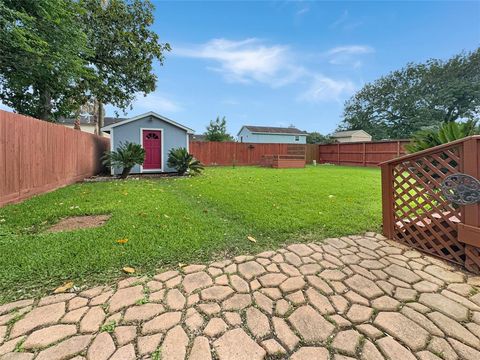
[422, 217]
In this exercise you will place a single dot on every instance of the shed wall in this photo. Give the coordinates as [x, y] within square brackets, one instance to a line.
[173, 137]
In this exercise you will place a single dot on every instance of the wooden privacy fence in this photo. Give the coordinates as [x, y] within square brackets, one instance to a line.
[430, 201]
[37, 156]
[229, 153]
[361, 153]
[354, 154]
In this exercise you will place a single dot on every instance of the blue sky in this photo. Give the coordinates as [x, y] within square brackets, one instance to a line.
[281, 63]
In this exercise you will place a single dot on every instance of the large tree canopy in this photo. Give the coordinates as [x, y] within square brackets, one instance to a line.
[41, 56]
[124, 48]
[417, 97]
[57, 54]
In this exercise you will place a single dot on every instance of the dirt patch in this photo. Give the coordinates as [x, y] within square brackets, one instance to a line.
[79, 222]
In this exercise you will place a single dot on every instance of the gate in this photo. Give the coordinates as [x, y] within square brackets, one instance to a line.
[431, 201]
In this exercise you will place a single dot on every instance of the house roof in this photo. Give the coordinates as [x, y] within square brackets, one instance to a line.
[273, 130]
[86, 121]
[200, 137]
[150, 113]
[348, 133]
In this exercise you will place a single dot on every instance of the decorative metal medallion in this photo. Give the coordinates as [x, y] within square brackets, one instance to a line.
[461, 189]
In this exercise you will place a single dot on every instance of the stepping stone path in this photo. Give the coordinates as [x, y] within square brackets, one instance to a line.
[357, 297]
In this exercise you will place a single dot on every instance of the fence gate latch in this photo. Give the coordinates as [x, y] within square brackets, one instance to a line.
[461, 189]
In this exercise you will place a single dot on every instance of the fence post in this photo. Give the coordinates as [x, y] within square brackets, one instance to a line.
[387, 200]
[398, 148]
[338, 153]
[470, 167]
[469, 229]
[364, 154]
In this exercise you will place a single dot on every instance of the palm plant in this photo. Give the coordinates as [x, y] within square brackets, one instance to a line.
[184, 162]
[126, 157]
[447, 132]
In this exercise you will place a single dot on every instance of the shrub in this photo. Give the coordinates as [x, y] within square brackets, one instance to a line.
[184, 162]
[448, 132]
[126, 157]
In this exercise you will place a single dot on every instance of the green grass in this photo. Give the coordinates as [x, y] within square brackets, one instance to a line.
[179, 220]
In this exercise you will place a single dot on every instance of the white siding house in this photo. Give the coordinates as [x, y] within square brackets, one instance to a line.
[271, 135]
[352, 136]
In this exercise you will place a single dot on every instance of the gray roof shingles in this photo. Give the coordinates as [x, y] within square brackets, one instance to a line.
[275, 130]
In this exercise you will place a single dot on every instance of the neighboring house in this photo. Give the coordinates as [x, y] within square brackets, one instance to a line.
[157, 135]
[87, 125]
[351, 136]
[269, 134]
[199, 137]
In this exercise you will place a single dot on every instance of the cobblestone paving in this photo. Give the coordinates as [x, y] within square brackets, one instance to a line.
[360, 297]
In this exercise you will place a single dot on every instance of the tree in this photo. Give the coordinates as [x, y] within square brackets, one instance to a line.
[57, 54]
[417, 96]
[317, 138]
[124, 49]
[41, 56]
[217, 130]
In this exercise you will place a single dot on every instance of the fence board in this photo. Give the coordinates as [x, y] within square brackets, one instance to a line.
[36, 156]
[361, 153]
[354, 154]
[229, 153]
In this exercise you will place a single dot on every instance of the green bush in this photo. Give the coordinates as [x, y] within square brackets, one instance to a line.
[125, 157]
[184, 162]
[448, 132]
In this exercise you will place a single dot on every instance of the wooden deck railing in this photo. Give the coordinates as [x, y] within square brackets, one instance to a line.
[415, 211]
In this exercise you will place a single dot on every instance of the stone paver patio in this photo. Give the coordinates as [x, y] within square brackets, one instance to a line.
[359, 297]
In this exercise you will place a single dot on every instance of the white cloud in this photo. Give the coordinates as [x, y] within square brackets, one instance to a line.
[324, 88]
[302, 11]
[156, 102]
[247, 60]
[344, 22]
[350, 49]
[252, 60]
[348, 55]
[341, 20]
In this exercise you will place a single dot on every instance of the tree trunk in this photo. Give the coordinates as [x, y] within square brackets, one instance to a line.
[100, 118]
[45, 106]
[125, 172]
[76, 124]
[95, 117]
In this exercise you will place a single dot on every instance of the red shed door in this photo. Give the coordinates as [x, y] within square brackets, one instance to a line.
[152, 143]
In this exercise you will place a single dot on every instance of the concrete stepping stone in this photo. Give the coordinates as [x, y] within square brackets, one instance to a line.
[237, 345]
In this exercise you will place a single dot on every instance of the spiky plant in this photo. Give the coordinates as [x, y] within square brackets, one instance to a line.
[448, 132]
[125, 157]
[184, 162]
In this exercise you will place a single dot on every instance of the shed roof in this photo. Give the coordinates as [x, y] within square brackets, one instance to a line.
[274, 130]
[150, 113]
[348, 133]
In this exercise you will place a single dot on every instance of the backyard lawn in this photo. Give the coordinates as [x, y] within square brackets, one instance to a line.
[179, 220]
